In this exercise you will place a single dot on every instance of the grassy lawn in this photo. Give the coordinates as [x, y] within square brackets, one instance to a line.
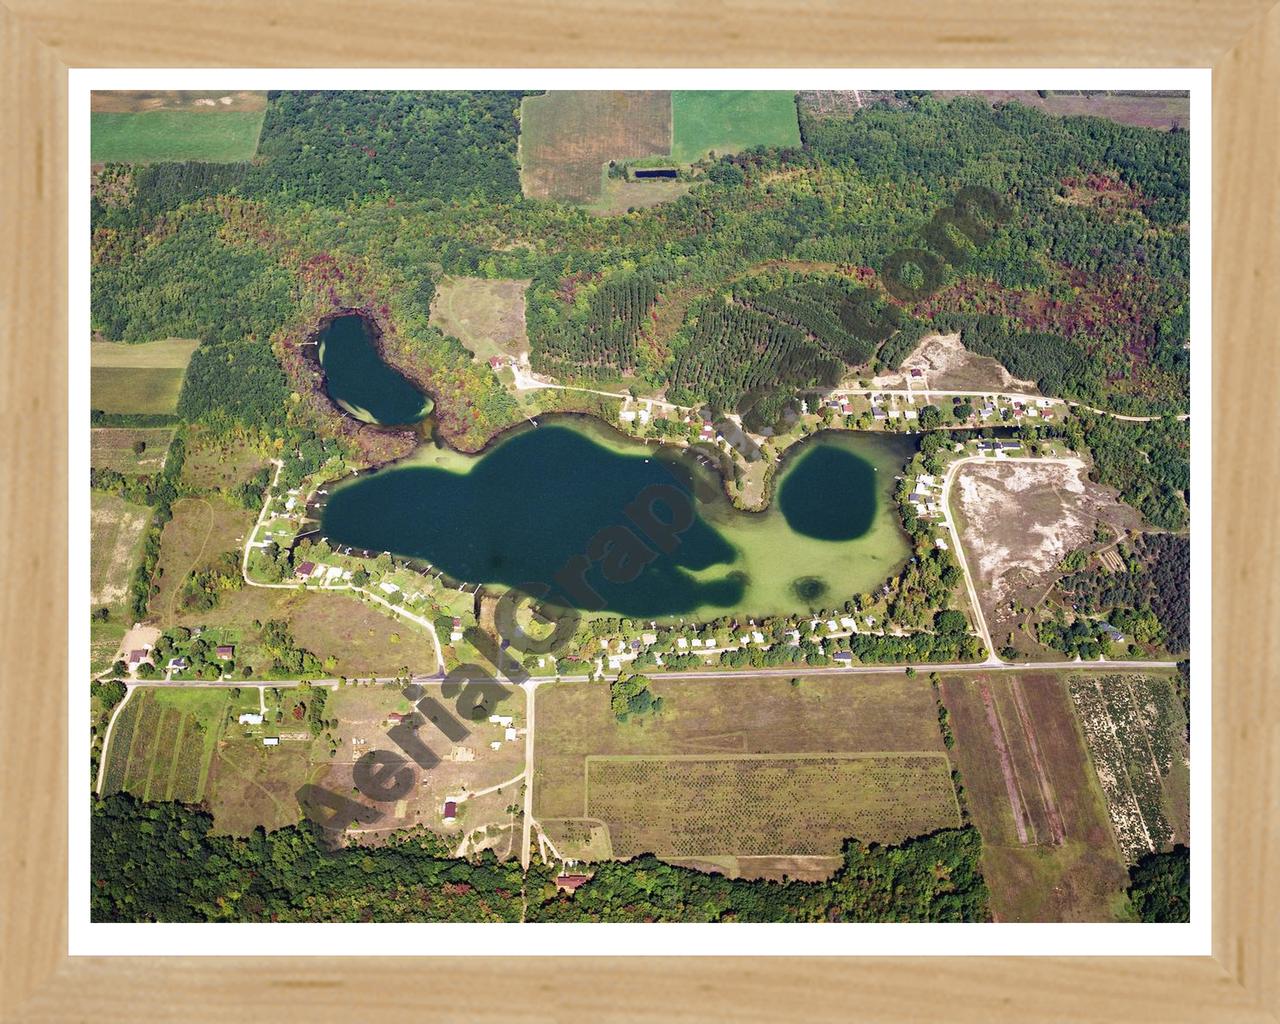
[729, 121]
[749, 767]
[154, 136]
[138, 378]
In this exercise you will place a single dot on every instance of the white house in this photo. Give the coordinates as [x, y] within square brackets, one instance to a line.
[250, 718]
[271, 741]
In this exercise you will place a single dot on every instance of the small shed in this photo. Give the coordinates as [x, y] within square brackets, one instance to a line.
[450, 810]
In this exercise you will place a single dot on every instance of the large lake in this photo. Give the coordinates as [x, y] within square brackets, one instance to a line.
[359, 381]
[535, 501]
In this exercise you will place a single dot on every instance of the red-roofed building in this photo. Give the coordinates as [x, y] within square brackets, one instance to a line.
[568, 883]
[450, 810]
[226, 652]
[395, 717]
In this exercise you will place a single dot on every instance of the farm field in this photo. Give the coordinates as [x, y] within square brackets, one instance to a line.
[487, 316]
[732, 772]
[1018, 521]
[1048, 850]
[143, 378]
[1136, 733]
[729, 121]
[140, 101]
[1144, 111]
[116, 528]
[164, 741]
[566, 138]
[213, 134]
[113, 448]
[750, 805]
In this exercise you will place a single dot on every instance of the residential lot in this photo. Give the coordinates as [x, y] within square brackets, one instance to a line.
[566, 138]
[116, 528]
[735, 771]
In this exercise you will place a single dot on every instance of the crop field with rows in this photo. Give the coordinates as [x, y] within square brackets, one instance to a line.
[688, 806]
[1136, 736]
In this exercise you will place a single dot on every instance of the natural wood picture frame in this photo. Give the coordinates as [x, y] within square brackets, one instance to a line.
[41, 39]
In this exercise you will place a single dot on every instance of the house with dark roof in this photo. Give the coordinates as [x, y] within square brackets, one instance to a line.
[568, 883]
[226, 652]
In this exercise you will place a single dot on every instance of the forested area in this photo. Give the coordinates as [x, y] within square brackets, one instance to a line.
[339, 146]
[1160, 887]
[604, 333]
[935, 878]
[1148, 463]
[1156, 582]
[160, 862]
[732, 350]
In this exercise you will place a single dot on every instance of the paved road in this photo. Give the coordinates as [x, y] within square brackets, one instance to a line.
[1102, 665]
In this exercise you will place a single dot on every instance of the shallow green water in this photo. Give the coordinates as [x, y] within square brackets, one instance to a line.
[359, 381]
[537, 501]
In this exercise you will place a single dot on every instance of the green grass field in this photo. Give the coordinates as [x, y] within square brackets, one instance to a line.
[138, 378]
[729, 121]
[214, 135]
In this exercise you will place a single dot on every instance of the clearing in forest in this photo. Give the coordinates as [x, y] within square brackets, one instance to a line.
[729, 121]
[145, 378]
[487, 316]
[948, 366]
[114, 533]
[567, 138]
[1048, 853]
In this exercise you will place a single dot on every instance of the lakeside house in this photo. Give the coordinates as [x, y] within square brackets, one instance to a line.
[305, 570]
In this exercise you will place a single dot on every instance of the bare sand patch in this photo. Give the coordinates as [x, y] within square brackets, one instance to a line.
[948, 366]
[1019, 520]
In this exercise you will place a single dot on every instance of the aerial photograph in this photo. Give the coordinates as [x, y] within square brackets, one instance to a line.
[639, 506]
